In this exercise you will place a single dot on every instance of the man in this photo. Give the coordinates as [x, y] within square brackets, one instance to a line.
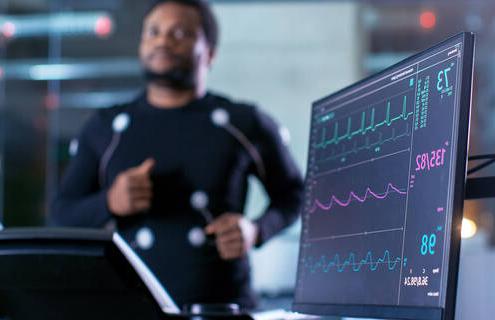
[173, 165]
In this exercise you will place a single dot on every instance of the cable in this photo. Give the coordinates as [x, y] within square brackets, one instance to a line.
[221, 118]
[120, 124]
[489, 157]
[480, 166]
[482, 157]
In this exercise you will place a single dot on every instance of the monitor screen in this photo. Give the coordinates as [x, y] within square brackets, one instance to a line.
[385, 188]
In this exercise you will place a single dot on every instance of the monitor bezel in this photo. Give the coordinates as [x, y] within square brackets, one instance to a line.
[69, 243]
[463, 127]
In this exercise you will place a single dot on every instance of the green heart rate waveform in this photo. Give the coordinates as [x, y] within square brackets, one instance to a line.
[364, 128]
[375, 146]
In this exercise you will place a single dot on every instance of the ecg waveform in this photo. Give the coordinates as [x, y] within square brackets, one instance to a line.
[354, 197]
[324, 265]
[363, 129]
[369, 146]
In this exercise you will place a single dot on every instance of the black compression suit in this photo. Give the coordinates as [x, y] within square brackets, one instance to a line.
[191, 153]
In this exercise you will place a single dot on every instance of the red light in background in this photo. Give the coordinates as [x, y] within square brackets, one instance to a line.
[427, 19]
[8, 29]
[103, 26]
[2, 73]
[51, 101]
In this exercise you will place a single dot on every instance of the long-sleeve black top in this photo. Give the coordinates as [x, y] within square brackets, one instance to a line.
[191, 153]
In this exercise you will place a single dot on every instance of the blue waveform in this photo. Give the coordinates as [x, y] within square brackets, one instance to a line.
[326, 265]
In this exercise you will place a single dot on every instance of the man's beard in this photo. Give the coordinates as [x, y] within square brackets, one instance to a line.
[176, 78]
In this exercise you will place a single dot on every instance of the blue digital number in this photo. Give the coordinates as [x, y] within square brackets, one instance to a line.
[443, 79]
[428, 243]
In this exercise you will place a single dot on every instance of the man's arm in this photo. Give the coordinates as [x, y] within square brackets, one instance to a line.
[283, 182]
[235, 234]
[81, 202]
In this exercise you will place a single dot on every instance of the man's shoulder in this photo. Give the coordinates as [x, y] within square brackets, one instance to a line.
[100, 122]
[232, 105]
[247, 116]
[107, 114]
[116, 109]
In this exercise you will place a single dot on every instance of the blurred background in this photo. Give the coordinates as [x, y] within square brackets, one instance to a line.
[62, 59]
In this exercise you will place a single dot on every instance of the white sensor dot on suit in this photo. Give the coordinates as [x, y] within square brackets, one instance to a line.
[220, 117]
[145, 238]
[121, 122]
[199, 200]
[196, 237]
[73, 147]
[284, 135]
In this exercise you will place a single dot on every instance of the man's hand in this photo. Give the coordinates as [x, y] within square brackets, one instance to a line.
[235, 235]
[132, 190]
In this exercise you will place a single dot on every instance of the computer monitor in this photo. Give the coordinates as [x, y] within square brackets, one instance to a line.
[384, 190]
[76, 274]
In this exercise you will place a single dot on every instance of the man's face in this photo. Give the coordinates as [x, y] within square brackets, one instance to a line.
[173, 42]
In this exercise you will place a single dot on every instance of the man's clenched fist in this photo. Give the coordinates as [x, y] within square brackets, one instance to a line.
[235, 235]
[132, 191]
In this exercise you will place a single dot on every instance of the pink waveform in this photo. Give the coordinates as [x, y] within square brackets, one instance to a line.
[353, 196]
